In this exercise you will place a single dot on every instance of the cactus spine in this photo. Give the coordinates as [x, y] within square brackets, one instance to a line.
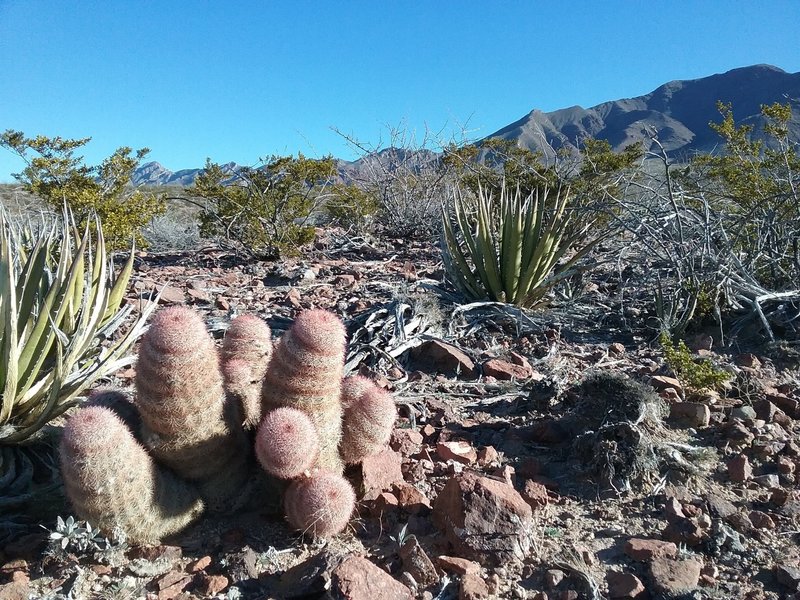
[306, 373]
[112, 482]
[187, 423]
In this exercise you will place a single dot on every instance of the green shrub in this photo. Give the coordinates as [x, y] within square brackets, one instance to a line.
[351, 207]
[60, 178]
[59, 301]
[511, 249]
[265, 211]
[694, 374]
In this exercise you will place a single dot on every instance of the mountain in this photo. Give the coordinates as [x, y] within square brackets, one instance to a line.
[678, 111]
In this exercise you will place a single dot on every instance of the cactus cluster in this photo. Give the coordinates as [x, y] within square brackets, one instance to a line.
[205, 424]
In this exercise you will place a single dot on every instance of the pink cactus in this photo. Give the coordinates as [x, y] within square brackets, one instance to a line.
[369, 416]
[112, 482]
[306, 373]
[320, 505]
[245, 354]
[286, 443]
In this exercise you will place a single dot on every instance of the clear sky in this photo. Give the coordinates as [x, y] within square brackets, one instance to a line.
[238, 80]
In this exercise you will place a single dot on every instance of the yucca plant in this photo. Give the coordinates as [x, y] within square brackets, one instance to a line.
[511, 249]
[59, 307]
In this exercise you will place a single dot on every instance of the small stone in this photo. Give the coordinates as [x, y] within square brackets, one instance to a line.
[211, 585]
[505, 371]
[739, 469]
[535, 494]
[623, 585]
[201, 564]
[487, 455]
[459, 451]
[690, 414]
[356, 578]
[457, 565]
[417, 563]
[222, 303]
[406, 441]
[553, 577]
[444, 358]
[171, 295]
[473, 588]
[744, 413]
[616, 349]
[789, 576]
[674, 576]
[410, 498]
[645, 549]
[761, 520]
[380, 471]
[748, 360]
[662, 382]
[770, 481]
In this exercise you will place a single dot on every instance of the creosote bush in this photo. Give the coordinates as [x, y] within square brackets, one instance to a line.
[694, 374]
[60, 178]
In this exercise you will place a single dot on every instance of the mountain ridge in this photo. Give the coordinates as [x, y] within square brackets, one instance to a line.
[678, 111]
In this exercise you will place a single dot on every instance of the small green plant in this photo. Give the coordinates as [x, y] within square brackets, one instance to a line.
[59, 303]
[58, 177]
[264, 211]
[511, 249]
[694, 374]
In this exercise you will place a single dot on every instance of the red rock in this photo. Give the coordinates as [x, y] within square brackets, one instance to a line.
[473, 588]
[459, 566]
[410, 498]
[662, 382]
[535, 494]
[459, 451]
[646, 549]
[211, 585]
[748, 360]
[487, 455]
[739, 469]
[521, 361]
[406, 441]
[356, 578]
[483, 519]
[222, 303]
[417, 563]
[623, 585]
[170, 554]
[201, 564]
[673, 576]
[505, 371]
[380, 471]
[15, 590]
[171, 295]
[553, 577]
[428, 430]
[761, 520]
[199, 295]
[616, 349]
[344, 281]
[18, 564]
[444, 358]
[700, 342]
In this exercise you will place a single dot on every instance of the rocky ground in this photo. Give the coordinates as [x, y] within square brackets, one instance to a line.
[549, 455]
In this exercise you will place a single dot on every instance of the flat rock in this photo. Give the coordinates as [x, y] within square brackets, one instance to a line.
[624, 585]
[645, 549]
[674, 576]
[358, 579]
[483, 519]
[662, 383]
[789, 576]
[444, 358]
[459, 566]
[380, 471]
[690, 414]
[459, 451]
[739, 469]
[504, 370]
[473, 588]
[417, 563]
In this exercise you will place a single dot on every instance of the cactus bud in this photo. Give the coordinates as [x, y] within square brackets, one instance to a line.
[286, 443]
[321, 504]
[369, 416]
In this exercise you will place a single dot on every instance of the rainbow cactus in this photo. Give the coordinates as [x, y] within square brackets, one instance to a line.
[192, 414]
[113, 482]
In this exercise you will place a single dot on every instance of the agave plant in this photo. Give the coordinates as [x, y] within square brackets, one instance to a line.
[512, 249]
[59, 307]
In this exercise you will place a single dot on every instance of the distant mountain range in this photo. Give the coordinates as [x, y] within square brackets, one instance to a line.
[679, 112]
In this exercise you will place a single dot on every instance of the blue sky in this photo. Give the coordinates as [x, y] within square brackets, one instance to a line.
[235, 81]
